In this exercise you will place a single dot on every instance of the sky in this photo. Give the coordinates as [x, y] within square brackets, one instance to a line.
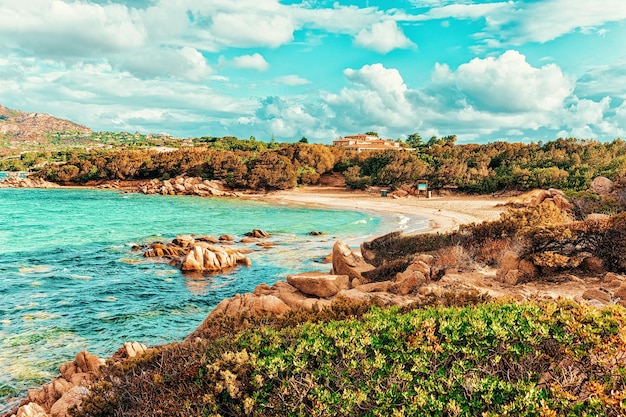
[484, 71]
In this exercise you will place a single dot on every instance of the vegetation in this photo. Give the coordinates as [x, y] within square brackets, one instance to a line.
[568, 164]
[492, 359]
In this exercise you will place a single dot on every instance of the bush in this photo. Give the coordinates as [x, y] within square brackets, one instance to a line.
[533, 359]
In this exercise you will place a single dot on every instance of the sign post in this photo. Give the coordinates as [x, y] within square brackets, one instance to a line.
[422, 185]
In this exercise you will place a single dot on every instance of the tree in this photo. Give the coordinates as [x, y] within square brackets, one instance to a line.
[372, 134]
[303, 140]
[414, 140]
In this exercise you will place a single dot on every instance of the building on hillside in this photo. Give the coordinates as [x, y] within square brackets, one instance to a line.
[363, 142]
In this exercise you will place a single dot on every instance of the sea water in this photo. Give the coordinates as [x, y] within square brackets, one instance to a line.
[70, 281]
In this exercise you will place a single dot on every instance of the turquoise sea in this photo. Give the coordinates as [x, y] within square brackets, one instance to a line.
[69, 280]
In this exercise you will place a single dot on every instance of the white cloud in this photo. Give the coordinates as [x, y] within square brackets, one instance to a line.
[383, 37]
[546, 20]
[186, 63]
[250, 29]
[507, 83]
[587, 112]
[292, 80]
[376, 99]
[464, 11]
[254, 61]
[58, 28]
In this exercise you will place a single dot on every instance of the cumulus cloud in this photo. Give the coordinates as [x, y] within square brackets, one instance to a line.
[254, 61]
[507, 83]
[383, 37]
[57, 28]
[287, 119]
[376, 98]
[186, 63]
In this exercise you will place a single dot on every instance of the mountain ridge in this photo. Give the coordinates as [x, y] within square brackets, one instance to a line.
[20, 126]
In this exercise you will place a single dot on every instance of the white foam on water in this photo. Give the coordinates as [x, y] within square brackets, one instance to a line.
[38, 269]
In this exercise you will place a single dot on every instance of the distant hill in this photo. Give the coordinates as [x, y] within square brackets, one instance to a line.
[19, 126]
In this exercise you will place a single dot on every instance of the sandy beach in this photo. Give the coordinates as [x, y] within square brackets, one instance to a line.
[445, 213]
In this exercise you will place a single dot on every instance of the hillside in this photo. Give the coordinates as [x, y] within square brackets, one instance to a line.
[20, 126]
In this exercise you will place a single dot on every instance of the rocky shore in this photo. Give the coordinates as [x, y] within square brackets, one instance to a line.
[347, 279]
[351, 277]
[187, 186]
[13, 181]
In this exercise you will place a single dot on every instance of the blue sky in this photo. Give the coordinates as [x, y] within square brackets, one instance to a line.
[481, 70]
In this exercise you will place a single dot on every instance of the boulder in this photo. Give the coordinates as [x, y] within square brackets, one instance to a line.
[613, 277]
[72, 398]
[620, 294]
[531, 198]
[407, 282]
[183, 241]
[209, 239]
[512, 277]
[134, 348]
[346, 262]
[251, 303]
[597, 217]
[598, 295]
[593, 265]
[382, 286]
[31, 410]
[88, 363]
[420, 266]
[602, 185]
[258, 233]
[319, 284]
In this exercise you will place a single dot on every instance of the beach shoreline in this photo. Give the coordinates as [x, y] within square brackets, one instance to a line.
[445, 213]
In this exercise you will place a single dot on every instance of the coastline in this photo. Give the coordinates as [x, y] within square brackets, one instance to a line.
[445, 213]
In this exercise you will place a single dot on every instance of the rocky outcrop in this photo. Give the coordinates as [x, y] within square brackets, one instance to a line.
[316, 290]
[346, 262]
[204, 257]
[536, 197]
[13, 181]
[412, 279]
[55, 398]
[67, 390]
[187, 186]
[514, 270]
[199, 254]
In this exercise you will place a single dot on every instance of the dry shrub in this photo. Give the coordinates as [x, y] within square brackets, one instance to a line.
[452, 257]
[394, 246]
[491, 250]
[388, 271]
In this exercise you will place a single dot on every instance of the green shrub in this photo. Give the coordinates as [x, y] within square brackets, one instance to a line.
[495, 359]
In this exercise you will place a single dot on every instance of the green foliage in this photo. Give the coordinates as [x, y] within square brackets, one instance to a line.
[535, 359]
